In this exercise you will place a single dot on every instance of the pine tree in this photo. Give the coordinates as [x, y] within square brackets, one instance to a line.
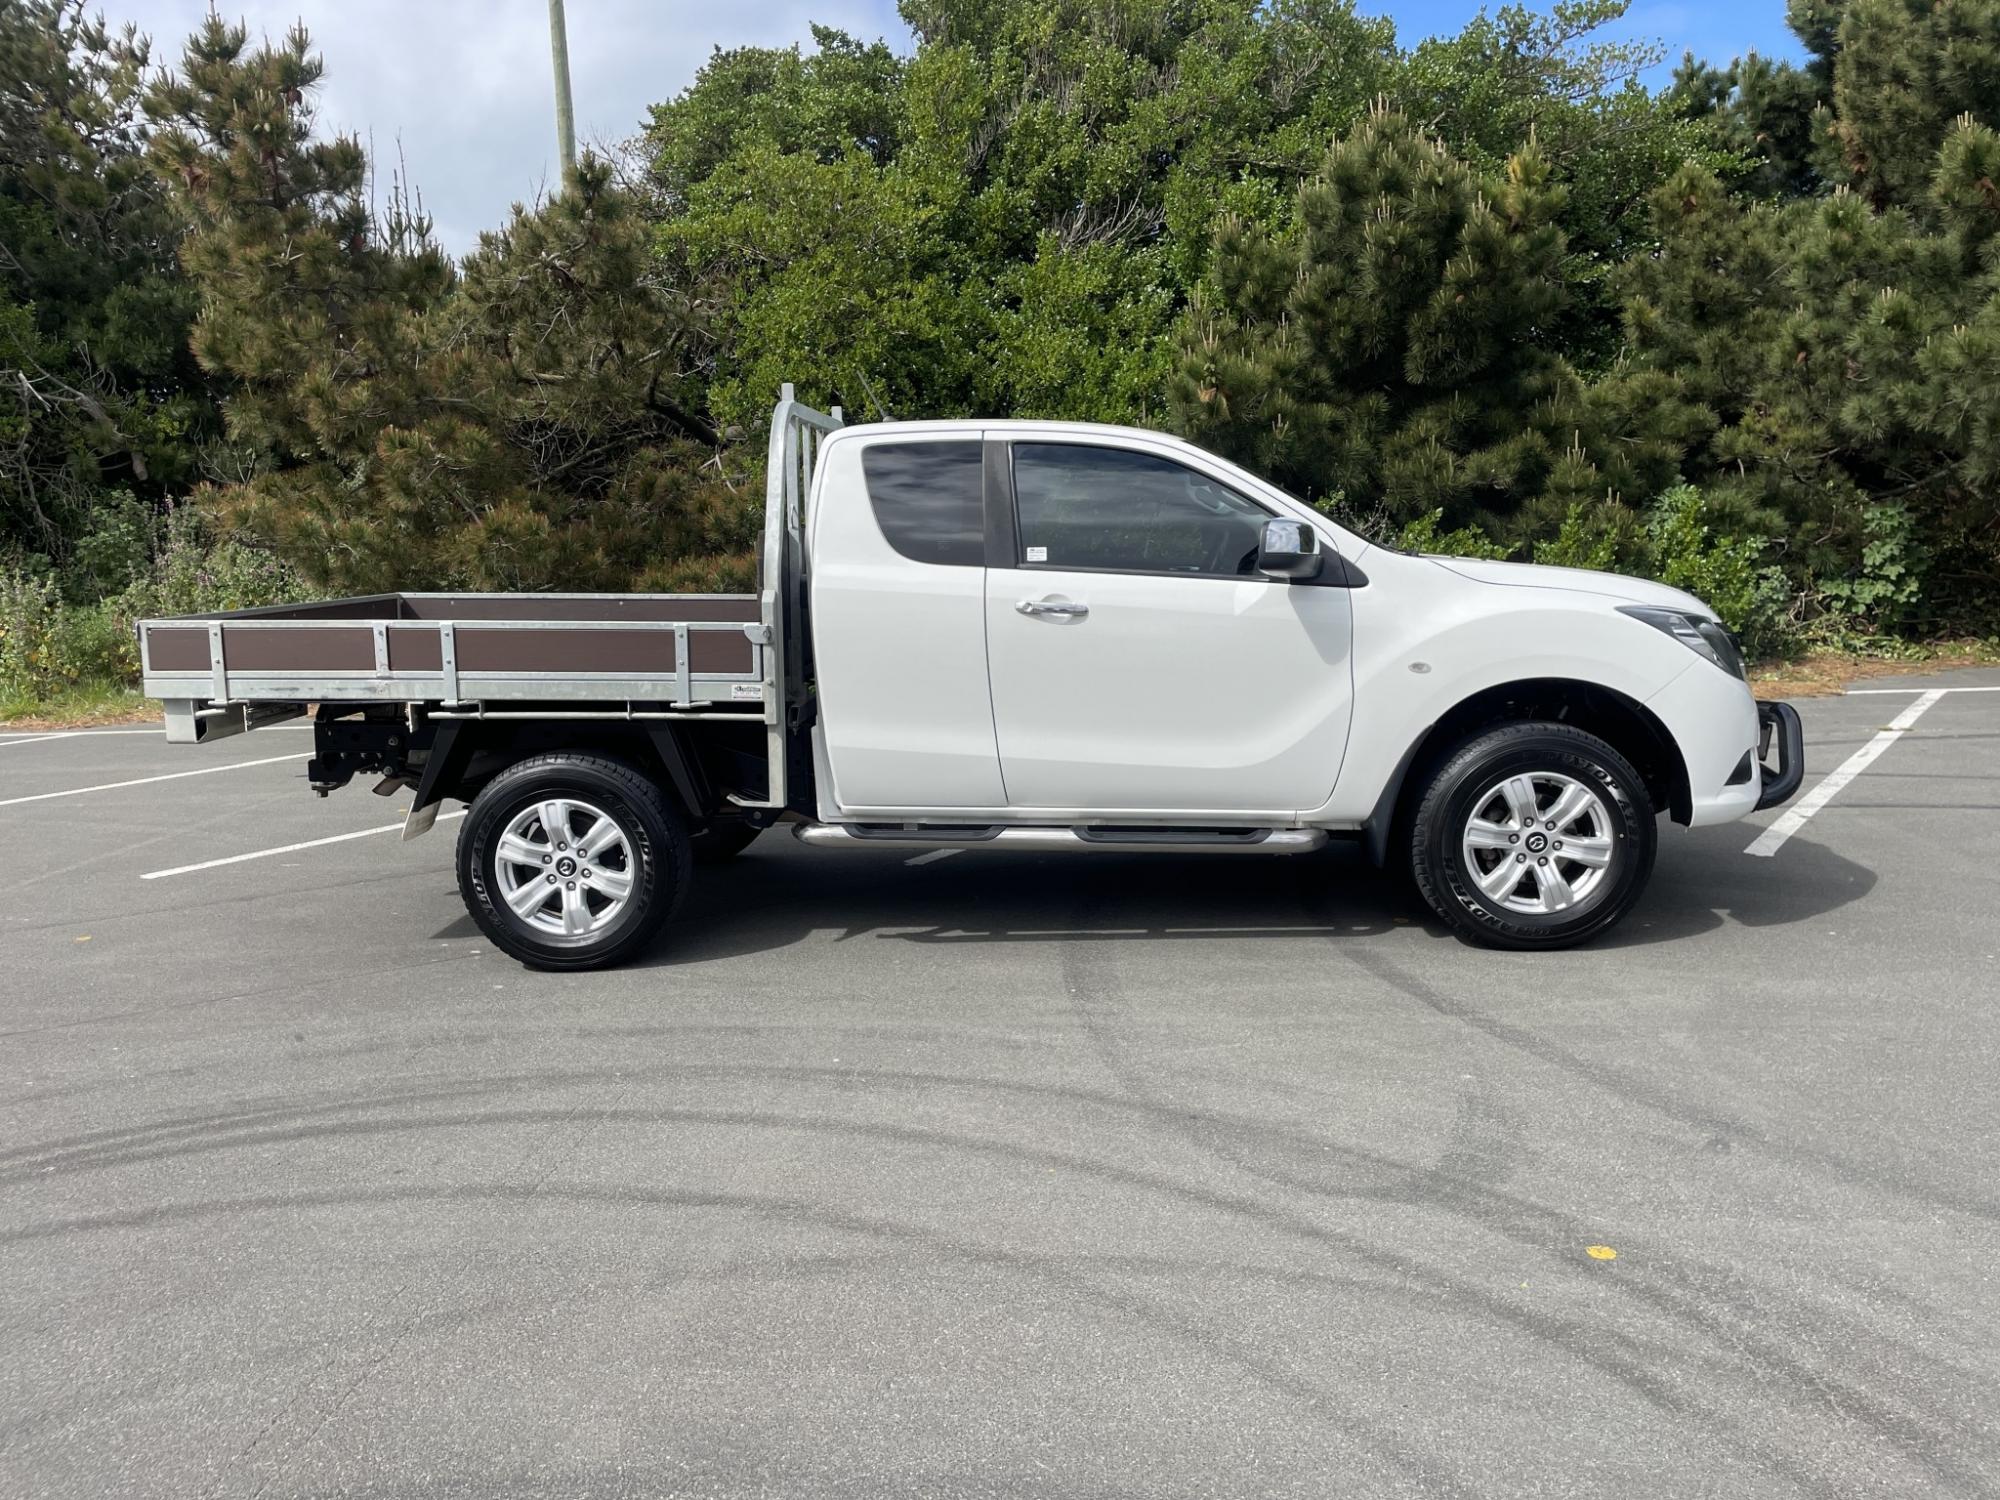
[1903, 71]
[1390, 348]
[525, 425]
[1843, 343]
[102, 411]
[1766, 112]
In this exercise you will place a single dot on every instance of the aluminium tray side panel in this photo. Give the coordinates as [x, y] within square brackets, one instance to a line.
[549, 647]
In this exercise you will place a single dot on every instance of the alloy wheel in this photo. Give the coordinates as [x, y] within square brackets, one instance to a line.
[564, 868]
[1540, 843]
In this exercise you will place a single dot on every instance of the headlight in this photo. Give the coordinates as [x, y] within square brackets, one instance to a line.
[1698, 633]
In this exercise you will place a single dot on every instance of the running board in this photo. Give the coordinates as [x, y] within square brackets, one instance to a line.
[1107, 840]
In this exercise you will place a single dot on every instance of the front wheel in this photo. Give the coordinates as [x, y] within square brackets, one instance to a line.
[572, 862]
[1533, 836]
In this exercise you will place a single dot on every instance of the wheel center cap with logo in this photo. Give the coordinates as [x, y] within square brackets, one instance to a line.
[1537, 842]
[565, 867]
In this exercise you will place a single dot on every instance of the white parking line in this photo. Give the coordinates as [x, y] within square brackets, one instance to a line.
[158, 731]
[1871, 692]
[1772, 839]
[935, 854]
[112, 786]
[237, 859]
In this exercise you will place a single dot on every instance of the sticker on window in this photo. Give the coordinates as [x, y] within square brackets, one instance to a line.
[1037, 554]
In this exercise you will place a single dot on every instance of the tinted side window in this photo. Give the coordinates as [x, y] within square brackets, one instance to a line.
[928, 500]
[1082, 507]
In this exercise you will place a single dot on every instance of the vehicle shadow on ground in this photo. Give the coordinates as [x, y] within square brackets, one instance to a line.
[772, 897]
[775, 895]
[1704, 880]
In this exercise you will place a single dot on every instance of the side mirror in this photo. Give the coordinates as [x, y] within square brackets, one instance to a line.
[1289, 549]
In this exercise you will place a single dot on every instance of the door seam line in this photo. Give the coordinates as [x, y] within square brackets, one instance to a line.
[992, 707]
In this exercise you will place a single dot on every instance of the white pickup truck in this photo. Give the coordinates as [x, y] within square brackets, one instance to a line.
[1020, 635]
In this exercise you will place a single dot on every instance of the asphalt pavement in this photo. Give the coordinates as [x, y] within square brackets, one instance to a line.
[995, 1175]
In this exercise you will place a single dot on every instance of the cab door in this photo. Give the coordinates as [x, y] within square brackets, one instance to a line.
[898, 579]
[1139, 663]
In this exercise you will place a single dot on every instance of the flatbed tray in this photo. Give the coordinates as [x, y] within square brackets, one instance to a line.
[685, 650]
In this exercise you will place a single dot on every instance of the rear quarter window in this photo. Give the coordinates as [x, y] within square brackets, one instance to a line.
[928, 499]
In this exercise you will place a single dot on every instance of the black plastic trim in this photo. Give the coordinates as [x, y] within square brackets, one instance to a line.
[1002, 544]
[1781, 721]
[1375, 832]
[450, 754]
[683, 770]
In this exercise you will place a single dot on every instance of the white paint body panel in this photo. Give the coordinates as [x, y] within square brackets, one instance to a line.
[1247, 702]
[1427, 638]
[1223, 694]
[899, 653]
[1713, 719]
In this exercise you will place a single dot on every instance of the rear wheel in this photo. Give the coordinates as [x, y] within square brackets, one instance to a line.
[572, 861]
[1533, 836]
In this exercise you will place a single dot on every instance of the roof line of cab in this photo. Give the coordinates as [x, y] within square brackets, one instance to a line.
[1008, 425]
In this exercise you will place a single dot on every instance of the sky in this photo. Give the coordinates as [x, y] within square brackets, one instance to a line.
[462, 91]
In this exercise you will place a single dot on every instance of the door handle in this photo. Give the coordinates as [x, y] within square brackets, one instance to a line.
[1052, 607]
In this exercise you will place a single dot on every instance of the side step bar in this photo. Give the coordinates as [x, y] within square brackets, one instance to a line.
[1102, 839]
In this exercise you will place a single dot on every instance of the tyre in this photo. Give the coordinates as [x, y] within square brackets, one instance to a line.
[572, 862]
[1533, 836]
[722, 840]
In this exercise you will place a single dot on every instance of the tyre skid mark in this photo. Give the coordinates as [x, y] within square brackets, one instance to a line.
[1713, 1302]
[1629, 1358]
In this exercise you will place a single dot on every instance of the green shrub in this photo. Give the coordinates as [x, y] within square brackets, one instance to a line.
[1878, 599]
[28, 606]
[1591, 539]
[194, 571]
[91, 643]
[114, 552]
[1723, 571]
[51, 648]
[1422, 535]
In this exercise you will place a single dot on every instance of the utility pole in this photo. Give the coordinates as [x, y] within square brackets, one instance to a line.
[565, 116]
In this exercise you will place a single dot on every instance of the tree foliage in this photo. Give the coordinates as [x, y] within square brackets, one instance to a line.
[522, 422]
[1839, 350]
[1014, 219]
[1490, 291]
[102, 411]
[1389, 344]
[1807, 332]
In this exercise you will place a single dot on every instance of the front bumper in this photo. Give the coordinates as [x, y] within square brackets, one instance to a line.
[1779, 722]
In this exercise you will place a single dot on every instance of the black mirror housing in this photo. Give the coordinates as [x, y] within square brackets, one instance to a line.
[1289, 549]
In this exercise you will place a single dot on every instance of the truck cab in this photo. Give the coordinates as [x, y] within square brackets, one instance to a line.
[1045, 622]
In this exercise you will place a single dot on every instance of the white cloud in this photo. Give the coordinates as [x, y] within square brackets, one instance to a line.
[463, 88]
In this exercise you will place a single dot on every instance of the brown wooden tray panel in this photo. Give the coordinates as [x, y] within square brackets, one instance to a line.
[247, 647]
[177, 648]
[743, 607]
[369, 607]
[566, 653]
[415, 648]
[721, 651]
[505, 634]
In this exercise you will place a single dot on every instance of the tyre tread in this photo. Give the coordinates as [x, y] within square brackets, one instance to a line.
[674, 860]
[1478, 924]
